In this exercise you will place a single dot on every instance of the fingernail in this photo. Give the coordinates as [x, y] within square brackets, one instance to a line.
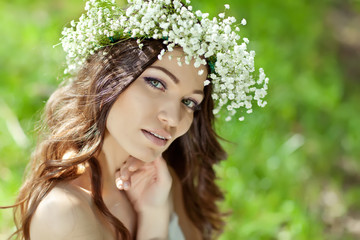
[126, 185]
[119, 183]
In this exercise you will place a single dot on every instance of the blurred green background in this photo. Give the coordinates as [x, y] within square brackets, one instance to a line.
[294, 166]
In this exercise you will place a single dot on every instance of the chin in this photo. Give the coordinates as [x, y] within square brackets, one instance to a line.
[148, 156]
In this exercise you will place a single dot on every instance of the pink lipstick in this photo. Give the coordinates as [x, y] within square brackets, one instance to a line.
[156, 138]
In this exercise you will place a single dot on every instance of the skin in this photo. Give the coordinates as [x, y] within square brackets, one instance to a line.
[138, 186]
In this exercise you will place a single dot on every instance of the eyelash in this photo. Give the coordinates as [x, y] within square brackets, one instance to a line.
[196, 106]
[152, 82]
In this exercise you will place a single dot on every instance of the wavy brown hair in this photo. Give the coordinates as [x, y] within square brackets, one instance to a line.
[74, 120]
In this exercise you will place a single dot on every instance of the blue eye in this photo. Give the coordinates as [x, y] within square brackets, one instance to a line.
[155, 83]
[192, 104]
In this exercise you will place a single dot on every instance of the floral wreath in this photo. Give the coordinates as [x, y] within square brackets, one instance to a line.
[174, 22]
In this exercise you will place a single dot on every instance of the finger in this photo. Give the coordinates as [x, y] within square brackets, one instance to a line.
[134, 165]
[162, 167]
[117, 174]
[120, 183]
[124, 171]
[140, 180]
[118, 180]
[143, 176]
[126, 185]
[163, 175]
[131, 165]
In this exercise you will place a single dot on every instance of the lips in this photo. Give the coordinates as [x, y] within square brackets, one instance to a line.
[157, 137]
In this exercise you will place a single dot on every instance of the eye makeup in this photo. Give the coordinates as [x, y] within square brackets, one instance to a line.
[193, 105]
[155, 83]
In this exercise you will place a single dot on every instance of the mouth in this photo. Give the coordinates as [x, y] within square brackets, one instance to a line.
[155, 138]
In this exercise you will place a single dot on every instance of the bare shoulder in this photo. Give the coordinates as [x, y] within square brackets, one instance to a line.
[188, 228]
[65, 213]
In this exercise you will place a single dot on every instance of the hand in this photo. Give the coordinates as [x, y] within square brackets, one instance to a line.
[147, 184]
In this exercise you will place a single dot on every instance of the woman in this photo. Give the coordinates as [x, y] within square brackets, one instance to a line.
[128, 146]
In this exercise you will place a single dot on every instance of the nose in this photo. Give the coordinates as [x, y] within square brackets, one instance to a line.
[170, 114]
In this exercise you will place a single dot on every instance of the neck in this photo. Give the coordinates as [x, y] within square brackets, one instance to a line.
[111, 158]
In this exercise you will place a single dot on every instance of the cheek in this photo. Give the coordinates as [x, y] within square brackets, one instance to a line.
[121, 114]
[113, 121]
[185, 125]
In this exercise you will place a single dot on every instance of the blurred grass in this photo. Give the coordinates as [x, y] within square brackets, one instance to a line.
[293, 167]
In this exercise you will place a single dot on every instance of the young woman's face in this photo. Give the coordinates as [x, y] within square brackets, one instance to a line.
[156, 108]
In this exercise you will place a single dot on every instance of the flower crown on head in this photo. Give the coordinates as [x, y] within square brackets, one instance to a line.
[174, 22]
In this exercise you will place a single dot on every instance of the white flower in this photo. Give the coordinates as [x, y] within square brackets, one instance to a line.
[179, 61]
[227, 29]
[206, 82]
[232, 67]
[205, 15]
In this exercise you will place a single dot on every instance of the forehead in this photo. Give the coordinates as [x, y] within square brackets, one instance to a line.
[186, 73]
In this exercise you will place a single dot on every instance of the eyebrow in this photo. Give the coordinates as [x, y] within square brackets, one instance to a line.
[172, 76]
[167, 72]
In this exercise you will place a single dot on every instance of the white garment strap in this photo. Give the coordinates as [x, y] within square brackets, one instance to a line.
[175, 232]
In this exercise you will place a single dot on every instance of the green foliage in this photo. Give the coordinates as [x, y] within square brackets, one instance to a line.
[293, 166]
